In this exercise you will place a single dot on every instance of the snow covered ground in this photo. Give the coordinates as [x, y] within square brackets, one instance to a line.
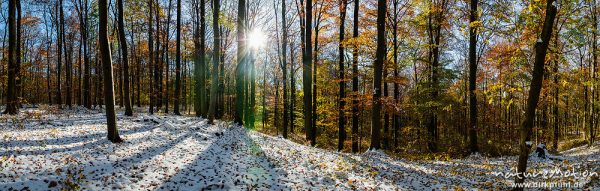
[42, 150]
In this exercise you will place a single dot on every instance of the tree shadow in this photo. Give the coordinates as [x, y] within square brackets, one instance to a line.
[102, 166]
[232, 161]
[64, 140]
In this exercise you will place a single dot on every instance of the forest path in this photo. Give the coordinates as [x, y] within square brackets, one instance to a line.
[43, 150]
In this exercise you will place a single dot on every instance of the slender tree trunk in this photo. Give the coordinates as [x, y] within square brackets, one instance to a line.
[434, 28]
[109, 97]
[265, 117]
[82, 11]
[48, 49]
[157, 61]
[240, 69]
[355, 81]
[167, 61]
[555, 111]
[594, 71]
[125, 60]
[284, 66]
[178, 60]
[292, 90]
[307, 76]
[201, 66]
[11, 97]
[342, 83]
[252, 95]
[473, 77]
[69, 71]
[396, 117]
[19, 85]
[541, 47]
[151, 57]
[221, 92]
[378, 65]
[79, 71]
[60, 26]
[216, 55]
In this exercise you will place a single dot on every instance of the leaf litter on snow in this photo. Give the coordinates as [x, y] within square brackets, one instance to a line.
[68, 150]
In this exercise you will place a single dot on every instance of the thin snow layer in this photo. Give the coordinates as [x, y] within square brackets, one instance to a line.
[50, 151]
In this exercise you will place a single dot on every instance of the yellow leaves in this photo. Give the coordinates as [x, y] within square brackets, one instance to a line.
[458, 188]
[475, 24]
[566, 162]
[374, 173]
[54, 132]
[447, 108]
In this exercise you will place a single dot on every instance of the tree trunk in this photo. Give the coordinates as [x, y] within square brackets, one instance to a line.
[541, 47]
[355, 81]
[82, 11]
[109, 97]
[342, 92]
[284, 66]
[215, 72]
[178, 60]
[151, 57]
[11, 97]
[60, 34]
[396, 117]
[473, 77]
[378, 65]
[593, 112]
[201, 79]
[307, 76]
[125, 60]
[239, 78]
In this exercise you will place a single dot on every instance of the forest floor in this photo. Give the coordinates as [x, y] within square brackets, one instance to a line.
[45, 149]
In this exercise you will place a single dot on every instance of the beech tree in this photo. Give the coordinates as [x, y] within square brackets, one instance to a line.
[178, 62]
[109, 96]
[342, 94]
[541, 48]
[12, 103]
[378, 65]
[124, 60]
[355, 92]
[473, 76]
[216, 57]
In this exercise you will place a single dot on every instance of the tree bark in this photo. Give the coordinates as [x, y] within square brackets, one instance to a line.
[541, 47]
[109, 97]
[125, 60]
[355, 81]
[215, 73]
[473, 77]
[200, 88]
[284, 68]
[307, 76]
[151, 57]
[342, 92]
[11, 97]
[178, 60]
[240, 69]
[378, 65]
[60, 35]
[396, 116]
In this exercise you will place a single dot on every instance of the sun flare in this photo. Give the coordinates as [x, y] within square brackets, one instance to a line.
[256, 39]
